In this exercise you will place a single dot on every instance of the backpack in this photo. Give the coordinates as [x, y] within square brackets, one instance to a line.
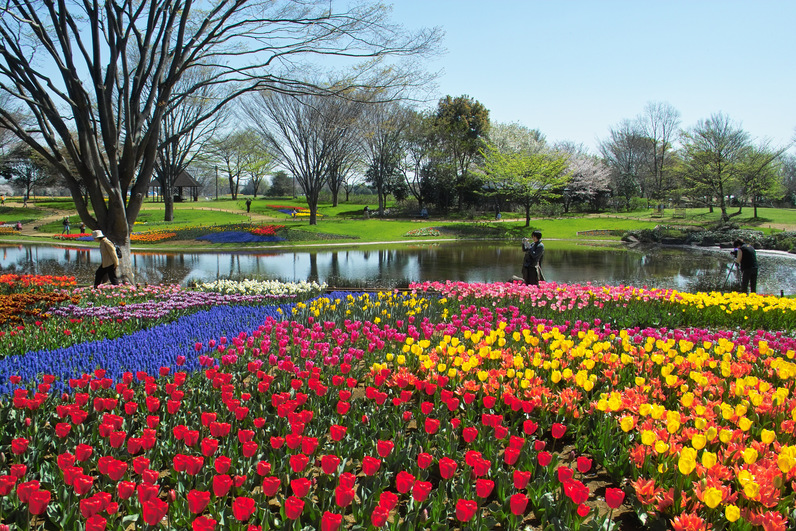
[118, 252]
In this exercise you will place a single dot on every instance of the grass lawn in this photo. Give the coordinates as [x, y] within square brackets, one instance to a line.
[345, 222]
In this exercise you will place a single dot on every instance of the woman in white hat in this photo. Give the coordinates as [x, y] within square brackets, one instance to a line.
[109, 260]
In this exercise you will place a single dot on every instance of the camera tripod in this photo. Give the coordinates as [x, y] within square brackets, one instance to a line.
[732, 267]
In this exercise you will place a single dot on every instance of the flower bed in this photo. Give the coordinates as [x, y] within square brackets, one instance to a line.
[405, 410]
[425, 231]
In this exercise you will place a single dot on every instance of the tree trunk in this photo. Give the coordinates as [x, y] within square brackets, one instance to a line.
[528, 215]
[168, 203]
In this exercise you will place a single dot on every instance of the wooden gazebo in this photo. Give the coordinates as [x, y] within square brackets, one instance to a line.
[184, 183]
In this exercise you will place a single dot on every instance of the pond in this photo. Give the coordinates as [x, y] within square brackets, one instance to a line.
[683, 268]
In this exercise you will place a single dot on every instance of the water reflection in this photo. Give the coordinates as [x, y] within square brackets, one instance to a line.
[687, 269]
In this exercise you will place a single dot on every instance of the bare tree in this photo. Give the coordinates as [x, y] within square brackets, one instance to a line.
[305, 132]
[383, 139]
[623, 153]
[96, 79]
[26, 170]
[659, 124]
[183, 134]
[760, 173]
[419, 143]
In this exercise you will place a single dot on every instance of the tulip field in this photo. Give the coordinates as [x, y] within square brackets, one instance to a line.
[253, 406]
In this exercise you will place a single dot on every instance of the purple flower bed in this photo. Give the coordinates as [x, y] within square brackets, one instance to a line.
[238, 237]
[162, 306]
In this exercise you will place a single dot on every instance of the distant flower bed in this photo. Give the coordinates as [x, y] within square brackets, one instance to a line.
[151, 236]
[425, 231]
[287, 208]
[238, 237]
[80, 237]
[263, 287]
[267, 230]
[7, 229]
[11, 282]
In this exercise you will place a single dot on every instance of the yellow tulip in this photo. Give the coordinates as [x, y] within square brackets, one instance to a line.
[732, 513]
[713, 497]
[767, 436]
[627, 423]
[661, 447]
[708, 459]
[751, 490]
[749, 456]
[687, 461]
[648, 437]
[698, 441]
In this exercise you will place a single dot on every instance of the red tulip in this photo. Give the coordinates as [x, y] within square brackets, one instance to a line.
[337, 432]
[19, 445]
[379, 516]
[300, 486]
[421, 490]
[154, 510]
[465, 509]
[198, 500]
[24, 490]
[447, 467]
[383, 448]
[558, 430]
[293, 440]
[277, 442]
[299, 462]
[489, 402]
[576, 491]
[521, 479]
[518, 503]
[348, 480]
[125, 489]
[424, 460]
[583, 510]
[38, 501]
[544, 458]
[147, 492]
[426, 407]
[516, 442]
[62, 429]
[329, 464]
[243, 508]
[529, 427]
[293, 507]
[388, 500]
[370, 465]
[271, 485]
[500, 432]
[204, 523]
[209, 446]
[431, 426]
[18, 470]
[117, 469]
[90, 507]
[510, 456]
[539, 445]
[263, 468]
[222, 464]
[584, 464]
[83, 452]
[481, 467]
[469, 434]
[219, 429]
[331, 521]
[614, 497]
[96, 523]
[140, 464]
[83, 484]
[309, 445]
[564, 473]
[404, 481]
[483, 487]
[221, 485]
[343, 496]
[343, 407]
[7, 484]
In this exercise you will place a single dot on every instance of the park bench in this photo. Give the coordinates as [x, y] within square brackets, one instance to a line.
[679, 213]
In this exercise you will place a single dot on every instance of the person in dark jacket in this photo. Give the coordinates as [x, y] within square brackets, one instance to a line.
[746, 258]
[531, 265]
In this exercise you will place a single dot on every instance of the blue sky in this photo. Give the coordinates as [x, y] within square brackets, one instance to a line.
[575, 68]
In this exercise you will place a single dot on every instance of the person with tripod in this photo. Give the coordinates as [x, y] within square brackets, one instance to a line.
[746, 258]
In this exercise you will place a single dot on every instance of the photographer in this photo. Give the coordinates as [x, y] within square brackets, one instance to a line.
[746, 258]
[531, 265]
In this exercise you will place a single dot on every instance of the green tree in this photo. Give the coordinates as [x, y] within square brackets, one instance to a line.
[760, 174]
[527, 178]
[462, 124]
[281, 185]
[713, 153]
